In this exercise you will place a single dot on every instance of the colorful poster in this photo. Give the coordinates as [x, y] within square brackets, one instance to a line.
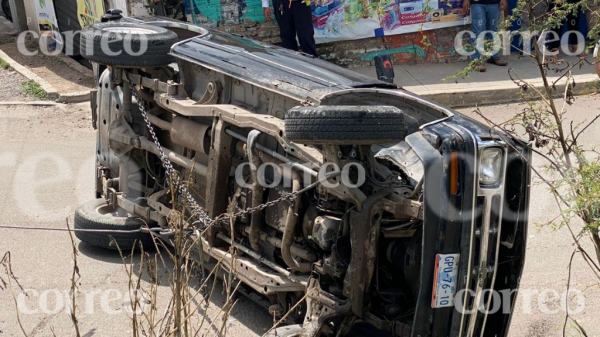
[47, 24]
[336, 20]
[89, 11]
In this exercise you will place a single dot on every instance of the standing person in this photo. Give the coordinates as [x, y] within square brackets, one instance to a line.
[572, 25]
[294, 18]
[485, 15]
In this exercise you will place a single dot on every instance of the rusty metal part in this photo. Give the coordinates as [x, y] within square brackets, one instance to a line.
[364, 235]
[159, 122]
[403, 208]
[174, 179]
[242, 118]
[190, 134]
[150, 83]
[174, 157]
[290, 229]
[153, 201]
[219, 164]
[346, 193]
[398, 329]
[260, 279]
[275, 155]
[184, 132]
[94, 107]
[324, 231]
[211, 96]
[321, 306]
[256, 191]
[295, 249]
[262, 260]
[240, 147]
[145, 212]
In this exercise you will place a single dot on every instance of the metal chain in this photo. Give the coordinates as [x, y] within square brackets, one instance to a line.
[288, 197]
[204, 220]
[170, 171]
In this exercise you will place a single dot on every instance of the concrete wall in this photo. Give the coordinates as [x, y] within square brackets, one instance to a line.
[435, 46]
[129, 7]
[245, 17]
[31, 16]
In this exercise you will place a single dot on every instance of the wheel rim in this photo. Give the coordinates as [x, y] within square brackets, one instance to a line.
[130, 30]
[107, 210]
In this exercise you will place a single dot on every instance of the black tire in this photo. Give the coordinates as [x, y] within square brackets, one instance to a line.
[6, 9]
[286, 331]
[97, 214]
[118, 35]
[345, 125]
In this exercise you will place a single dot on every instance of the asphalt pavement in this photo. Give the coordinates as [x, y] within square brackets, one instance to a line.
[46, 171]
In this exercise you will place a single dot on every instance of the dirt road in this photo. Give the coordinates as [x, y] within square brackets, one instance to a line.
[46, 166]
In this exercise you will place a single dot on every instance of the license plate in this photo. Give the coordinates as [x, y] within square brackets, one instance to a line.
[444, 280]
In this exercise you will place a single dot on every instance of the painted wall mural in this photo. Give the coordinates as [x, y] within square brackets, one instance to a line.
[338, 20]
[89, 11]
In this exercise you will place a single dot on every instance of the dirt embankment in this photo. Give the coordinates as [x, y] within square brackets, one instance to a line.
[56, 70]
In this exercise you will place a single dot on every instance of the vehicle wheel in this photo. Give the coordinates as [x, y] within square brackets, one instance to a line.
[6, 9]
[123, 37]
[97, 214]
[286, 331]
[346, 125]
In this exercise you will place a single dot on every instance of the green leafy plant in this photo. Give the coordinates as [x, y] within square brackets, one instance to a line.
[5, 65]
[33, 89]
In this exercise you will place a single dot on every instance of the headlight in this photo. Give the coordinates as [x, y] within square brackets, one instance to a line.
[490, 166]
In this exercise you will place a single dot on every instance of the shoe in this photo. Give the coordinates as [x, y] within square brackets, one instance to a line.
[497, 61]
[478, 66]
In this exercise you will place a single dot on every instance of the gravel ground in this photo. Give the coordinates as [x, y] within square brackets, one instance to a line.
[61, 141]
[53, 69]
[10, 86]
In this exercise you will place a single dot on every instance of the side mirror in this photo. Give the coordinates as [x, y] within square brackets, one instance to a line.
[385, 68]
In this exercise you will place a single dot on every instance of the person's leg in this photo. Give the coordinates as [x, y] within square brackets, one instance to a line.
[573, 26]
[285, 21]
[304, 27]
[478, 16]
[493, 15]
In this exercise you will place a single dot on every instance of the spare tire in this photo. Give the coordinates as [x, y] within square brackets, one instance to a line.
[127, 45]
[97, 214]
[346, 124]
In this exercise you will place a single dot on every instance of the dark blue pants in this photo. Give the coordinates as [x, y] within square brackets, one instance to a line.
[296, 20]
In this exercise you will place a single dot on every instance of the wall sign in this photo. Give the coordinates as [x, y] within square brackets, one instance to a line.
[89, 11]
[330, 18]
[47, 24]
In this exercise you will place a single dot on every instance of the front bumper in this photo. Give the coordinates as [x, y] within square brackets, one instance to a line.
[487, 226]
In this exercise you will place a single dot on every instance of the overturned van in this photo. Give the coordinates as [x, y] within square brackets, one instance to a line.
[385, 213]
